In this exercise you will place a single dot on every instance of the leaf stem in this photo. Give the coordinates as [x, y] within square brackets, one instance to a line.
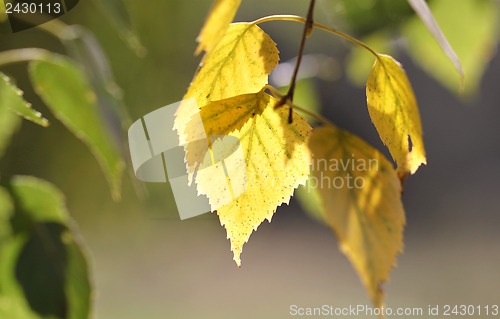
[58, 29]
[24, 55]
[279, 17]
[323, 27]
[274, 92]
[315, 115]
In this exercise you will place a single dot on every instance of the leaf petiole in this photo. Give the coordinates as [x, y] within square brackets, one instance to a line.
[320, 26]
[312, 114]
[275, 93]
[24, 55]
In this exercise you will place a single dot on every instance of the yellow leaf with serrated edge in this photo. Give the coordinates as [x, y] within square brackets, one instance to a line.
[394, 111]
[221, 15]
[276, 161]
[219, 118]
[239, 64]
[361, 197]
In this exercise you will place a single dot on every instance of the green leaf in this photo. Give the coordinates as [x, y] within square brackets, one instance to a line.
[13, 99]
[87, 52]
[472, 28]
[360, 198]
[66, 92]
[44, 272]
[12, 103]
[425, 14]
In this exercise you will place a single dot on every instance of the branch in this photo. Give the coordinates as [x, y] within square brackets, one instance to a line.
[308, 27]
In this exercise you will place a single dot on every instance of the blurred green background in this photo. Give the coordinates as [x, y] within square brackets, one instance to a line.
[148, 264]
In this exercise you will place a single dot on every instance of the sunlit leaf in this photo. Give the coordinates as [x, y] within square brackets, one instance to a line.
[425, 14]
[220, 118]
[276, 161]
[44, 272]
[12, 103]
[471, 26]
[221, 15]
[360, 194]
[394, 111]
[66, 92]
[246, 53]
[239, 64]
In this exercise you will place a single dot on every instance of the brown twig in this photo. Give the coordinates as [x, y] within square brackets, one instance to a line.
[308, 27]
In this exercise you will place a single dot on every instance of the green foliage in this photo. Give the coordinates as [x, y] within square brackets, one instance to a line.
[43, 268]
[472, 27]
[9, 122]
[44, 272]
[12, 103]
[363, 16]
[67, 93]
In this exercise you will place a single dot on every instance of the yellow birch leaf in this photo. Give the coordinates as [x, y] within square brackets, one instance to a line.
[239, 64]
[221, 15]
[276, 161]
[219, 118]
[361, 201]
[394, 111]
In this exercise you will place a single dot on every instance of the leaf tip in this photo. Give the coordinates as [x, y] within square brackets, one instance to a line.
[237, 258]
[44, 122]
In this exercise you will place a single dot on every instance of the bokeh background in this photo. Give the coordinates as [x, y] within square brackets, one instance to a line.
[146, 263]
